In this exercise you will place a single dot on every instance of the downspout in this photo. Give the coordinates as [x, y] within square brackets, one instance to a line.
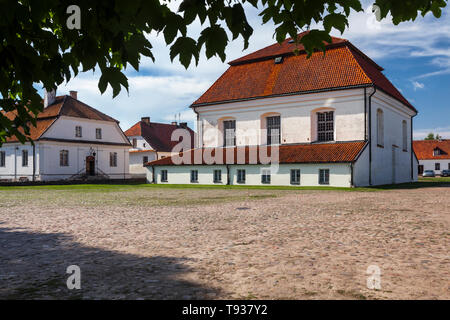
[365, 114]
[15, 163]
[370, 134]
[34, 161]
[412, 150]
[198, 129]
[228, 175]
[153, 175]
[351, 175]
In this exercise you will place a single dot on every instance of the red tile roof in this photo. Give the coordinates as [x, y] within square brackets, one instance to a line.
[301, 153]
[257, 76]
[63, 106]
[158, 135]
[424, 149]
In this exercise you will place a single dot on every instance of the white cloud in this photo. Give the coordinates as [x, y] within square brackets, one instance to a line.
[417, 85]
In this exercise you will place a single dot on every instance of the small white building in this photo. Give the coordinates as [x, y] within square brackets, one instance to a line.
[332, 120]
[71, 141]
[433, 155]
[152, 141]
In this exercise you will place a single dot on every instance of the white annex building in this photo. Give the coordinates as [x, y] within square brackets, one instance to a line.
[433, 155]
[332, 120]
[71, 141]
[152, 141]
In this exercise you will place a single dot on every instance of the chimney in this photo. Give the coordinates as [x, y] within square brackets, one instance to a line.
[146, 120]
[183, 125]
[49, 97]
[174, 123]
[74, 94]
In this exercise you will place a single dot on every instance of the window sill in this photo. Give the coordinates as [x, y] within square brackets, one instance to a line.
[194, 181]
[380, 146]
[324, 184]
[295, 183]
[241, 182]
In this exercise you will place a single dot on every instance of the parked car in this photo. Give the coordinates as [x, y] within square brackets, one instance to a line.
[428, 173]
[445, 173]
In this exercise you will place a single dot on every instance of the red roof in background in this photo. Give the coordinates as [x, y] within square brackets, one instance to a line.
[257, 76]
[301, 153]
[63, 106]
[158, 135]
[424, 149]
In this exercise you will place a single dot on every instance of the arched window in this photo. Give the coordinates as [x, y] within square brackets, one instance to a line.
[405, 135]
[380, 128]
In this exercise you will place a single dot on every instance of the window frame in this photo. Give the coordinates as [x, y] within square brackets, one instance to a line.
[63, 158]
[225, 129]
[327, 176]
[328, 134]
[293, 174]
[240, 176]
[437, 166]
[25, 158]
[265, 176]
[219, 180]
[113, 159]
[98, 133]
[78, 131]
[144, 160]
[194, 176]
[2, 159]
[273, 123]
[134, 143]
[164, 176]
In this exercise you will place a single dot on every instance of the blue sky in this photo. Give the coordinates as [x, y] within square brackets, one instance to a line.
[416, 58]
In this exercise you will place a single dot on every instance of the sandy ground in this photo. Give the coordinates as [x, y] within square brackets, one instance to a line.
[259, 244]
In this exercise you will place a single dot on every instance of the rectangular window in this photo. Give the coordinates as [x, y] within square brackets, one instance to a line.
[64, 158]
[229, 127]
[241, 176]
[78, 132]
[163, 175]
[134, 143]
[24, 158]
[437, 166]
[113, 159]
[144, 160]
[295, 176]
[194, 176]
[265, 176]
[217, 176]
[325, 126]
[324, 176]
[449, 166]
[2, 158]
[273, 130]
[98, 133]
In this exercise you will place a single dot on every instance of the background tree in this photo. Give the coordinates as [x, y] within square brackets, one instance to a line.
[37, 48]
[430, 136]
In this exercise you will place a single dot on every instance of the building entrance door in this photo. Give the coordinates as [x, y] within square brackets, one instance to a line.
[90, 166]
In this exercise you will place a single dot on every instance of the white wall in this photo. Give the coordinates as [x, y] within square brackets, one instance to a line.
[50, 168]
[340, 174]
[383, 170]
[13, 168]
[136, 161]
[64, 128]
[297, 117]
[430, 165]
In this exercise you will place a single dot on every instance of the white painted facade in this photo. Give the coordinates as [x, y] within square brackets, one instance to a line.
[355, 119]
[137, 154]
[44, 158]
[444, 164]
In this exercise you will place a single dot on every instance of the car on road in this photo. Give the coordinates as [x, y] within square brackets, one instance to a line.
[428, 173]
[445, 173]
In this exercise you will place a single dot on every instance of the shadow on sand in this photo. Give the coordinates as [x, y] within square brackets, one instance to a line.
[33, 266]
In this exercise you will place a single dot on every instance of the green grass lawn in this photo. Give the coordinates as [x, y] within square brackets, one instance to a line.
[423, 182]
